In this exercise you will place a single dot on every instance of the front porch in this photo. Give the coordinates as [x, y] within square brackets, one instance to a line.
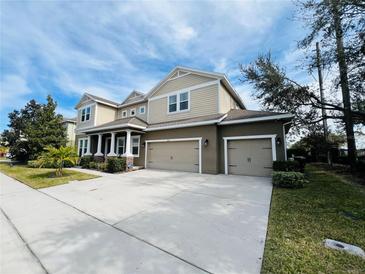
[116, 143]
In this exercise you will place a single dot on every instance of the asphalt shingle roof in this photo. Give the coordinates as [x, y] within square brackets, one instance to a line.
[239, 114]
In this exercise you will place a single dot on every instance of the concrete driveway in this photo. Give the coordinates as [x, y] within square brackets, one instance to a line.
[147, 221]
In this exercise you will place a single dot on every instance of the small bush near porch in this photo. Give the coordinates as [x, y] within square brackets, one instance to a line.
[300, 219]
[42, 177]
[110, 164]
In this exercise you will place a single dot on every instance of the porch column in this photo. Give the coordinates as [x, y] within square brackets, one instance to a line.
[88, 152]
[128, 144]
[112, 145]
[100, 138]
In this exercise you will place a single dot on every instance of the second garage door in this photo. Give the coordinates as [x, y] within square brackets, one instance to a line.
[174, 155]
[250, 157]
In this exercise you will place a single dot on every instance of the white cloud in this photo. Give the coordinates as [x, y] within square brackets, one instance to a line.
[13, 90]
[110, 48]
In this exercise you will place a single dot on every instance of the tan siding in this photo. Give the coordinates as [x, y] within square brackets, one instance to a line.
[182, 82]
[105, 114]
[203, 101]
[141, 116]
[226, 101]
[70, 131]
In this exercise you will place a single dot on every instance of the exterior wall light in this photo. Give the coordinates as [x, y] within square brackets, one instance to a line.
[206, 142]
[278, 141]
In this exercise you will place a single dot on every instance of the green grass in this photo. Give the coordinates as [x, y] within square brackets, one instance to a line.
[42, 177]
[300, 219]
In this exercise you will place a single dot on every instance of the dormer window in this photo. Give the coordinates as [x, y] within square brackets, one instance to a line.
[132, 112]
[124, 114]
[179, 102]
[85, 114]
[142, 110]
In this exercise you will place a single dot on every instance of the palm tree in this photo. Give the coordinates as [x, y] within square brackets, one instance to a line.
[57, 157]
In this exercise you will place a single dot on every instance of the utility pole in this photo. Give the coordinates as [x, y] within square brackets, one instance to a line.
[320, 80]
[342, 65]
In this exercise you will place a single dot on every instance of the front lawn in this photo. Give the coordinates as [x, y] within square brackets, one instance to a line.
[300, 219]
[42, 177]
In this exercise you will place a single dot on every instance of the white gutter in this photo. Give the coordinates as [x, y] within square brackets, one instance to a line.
[258, 119]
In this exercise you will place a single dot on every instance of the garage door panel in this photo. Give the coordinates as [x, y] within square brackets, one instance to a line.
[174, 155]
[250, 157]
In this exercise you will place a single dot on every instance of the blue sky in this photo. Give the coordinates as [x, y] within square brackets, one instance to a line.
[110, 48]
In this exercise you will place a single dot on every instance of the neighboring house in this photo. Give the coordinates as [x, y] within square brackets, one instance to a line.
[70, 126]
[192, 120]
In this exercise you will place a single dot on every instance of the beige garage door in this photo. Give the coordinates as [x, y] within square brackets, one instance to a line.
[250, 157]
[180, 156]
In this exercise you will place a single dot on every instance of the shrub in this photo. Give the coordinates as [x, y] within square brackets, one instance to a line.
[93, 165]
[115, 164]
[288, 166]
[33, 164]
[99, 159]
[288, 179]
[101, 166]
[85, 161]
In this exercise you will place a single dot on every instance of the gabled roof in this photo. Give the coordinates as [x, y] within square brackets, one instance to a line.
[97, 99]
[133, 97]
[219, 76]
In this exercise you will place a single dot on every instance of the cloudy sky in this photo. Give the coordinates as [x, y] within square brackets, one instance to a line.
[110, 48]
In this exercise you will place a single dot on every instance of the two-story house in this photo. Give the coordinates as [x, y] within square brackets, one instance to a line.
[192, 120]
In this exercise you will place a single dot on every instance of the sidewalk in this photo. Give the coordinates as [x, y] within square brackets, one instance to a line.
[15, 257]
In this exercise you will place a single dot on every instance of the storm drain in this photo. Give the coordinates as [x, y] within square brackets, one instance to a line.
[352, 249]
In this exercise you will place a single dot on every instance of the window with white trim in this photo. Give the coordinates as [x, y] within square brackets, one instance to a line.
[124, 114]
[83, 142]
[120, 145]
[184, 101]
[142, 110]
[132, 112]
[179, 102]
[85, 114]
[135, 145]
[172, 103]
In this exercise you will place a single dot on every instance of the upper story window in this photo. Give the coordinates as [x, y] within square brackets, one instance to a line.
[172, 103]
[85, 114]
[124, 114]
[132, 112]
[184, 101]
[142, 110]
[179, 102]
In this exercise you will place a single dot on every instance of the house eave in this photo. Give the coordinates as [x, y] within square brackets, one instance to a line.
[257, 119]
